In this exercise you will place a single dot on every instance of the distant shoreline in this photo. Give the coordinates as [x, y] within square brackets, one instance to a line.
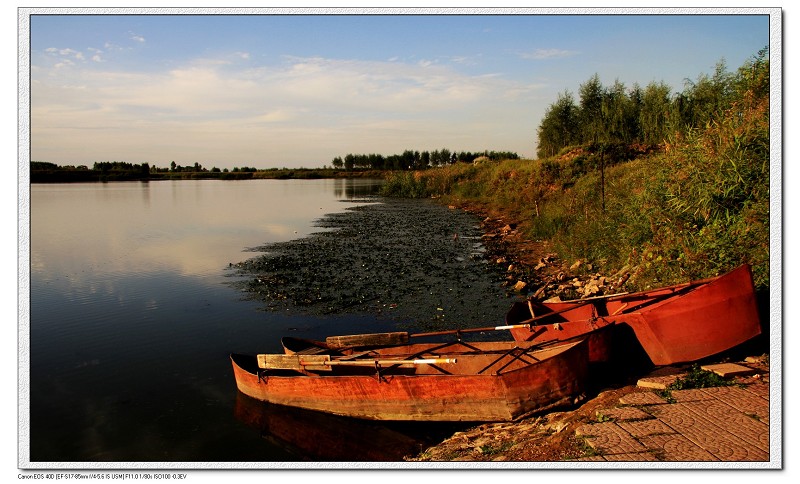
[87, 176]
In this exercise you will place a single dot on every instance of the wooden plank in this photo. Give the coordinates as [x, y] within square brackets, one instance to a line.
[294, 362]
[373, 339]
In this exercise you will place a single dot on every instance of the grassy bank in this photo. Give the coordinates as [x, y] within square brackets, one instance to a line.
[693, 209]
[693, 206]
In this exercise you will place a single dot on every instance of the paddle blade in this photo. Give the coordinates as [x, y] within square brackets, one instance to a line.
[374, 339]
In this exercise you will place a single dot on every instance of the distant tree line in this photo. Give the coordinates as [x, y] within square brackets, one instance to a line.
[43, 172]
[415, 160]
[608, 115]
[46, 172]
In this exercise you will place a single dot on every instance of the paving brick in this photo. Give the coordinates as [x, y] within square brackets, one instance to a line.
[691, 395]
[742, 400]
[642, 428]
[676, 448]
[726, 370]
[760, 389]
[656, 382]
[641, 398]
[728, 423]
[608, 438]
[689, 420]
[623, 413]
[735, 422]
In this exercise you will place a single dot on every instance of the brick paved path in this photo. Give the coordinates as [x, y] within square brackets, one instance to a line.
[728, 424]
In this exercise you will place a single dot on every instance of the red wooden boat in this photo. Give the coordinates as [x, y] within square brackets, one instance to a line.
[675, 324]
[456, 381]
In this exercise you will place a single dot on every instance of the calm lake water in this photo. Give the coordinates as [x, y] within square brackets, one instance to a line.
[132, 318]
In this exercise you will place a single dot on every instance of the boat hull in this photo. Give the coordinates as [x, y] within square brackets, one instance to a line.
[512, 388]
[679, 324]
[560, 328]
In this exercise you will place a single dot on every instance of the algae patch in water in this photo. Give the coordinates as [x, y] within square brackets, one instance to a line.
[410, 261]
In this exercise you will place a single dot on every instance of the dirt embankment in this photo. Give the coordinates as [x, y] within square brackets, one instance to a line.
[545, 438]
[534, 269]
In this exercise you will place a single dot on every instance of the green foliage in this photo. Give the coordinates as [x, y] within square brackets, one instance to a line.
[416, 160]
[696, 208]
[492, 450]
[699, 378]
[559, 126]
[405, 184]
[585, 448]
[654, 113]
[695, 378]
[649, 116]
[601, 417]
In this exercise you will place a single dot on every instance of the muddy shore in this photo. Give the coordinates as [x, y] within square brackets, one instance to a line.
[413, 263]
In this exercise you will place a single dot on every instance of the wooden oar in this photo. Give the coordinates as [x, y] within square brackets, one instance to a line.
[370, 339]
[386, 339]
[399, 338]
[325, 362]
[389, 339]
[595, 298]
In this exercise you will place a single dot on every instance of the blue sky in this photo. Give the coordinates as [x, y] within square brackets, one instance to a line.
[298, 90]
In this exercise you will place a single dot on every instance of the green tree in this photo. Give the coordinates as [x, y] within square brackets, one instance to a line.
[617, 113]
[592, 121]
[707, 98]
[654, 115]
[425, 159]
[559, 127]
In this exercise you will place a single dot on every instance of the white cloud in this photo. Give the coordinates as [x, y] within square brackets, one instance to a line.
[543, 54]
[64, 63]
[306, 109]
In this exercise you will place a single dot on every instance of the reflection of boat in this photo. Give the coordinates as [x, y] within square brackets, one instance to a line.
[324, 437]
[456, 381]
[674, 324]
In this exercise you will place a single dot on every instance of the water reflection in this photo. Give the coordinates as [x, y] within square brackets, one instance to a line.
[189, 227]
[316, 436]
[131, 324]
